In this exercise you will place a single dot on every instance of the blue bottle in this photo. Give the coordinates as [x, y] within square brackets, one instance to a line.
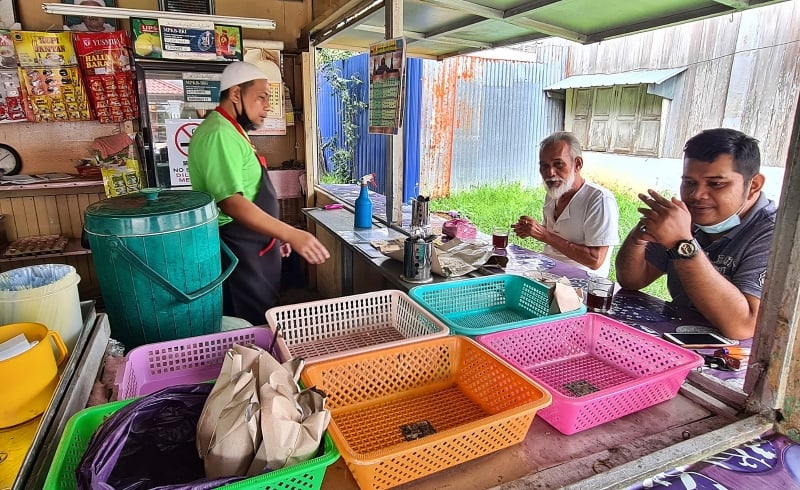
[363, 217]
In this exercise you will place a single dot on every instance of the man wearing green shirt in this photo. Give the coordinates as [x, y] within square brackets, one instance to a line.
[223, 162]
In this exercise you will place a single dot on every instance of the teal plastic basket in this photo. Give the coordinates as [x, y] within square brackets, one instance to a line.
[81, 426]
[489, 304]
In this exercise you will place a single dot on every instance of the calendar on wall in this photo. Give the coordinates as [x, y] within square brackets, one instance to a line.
[269, 61]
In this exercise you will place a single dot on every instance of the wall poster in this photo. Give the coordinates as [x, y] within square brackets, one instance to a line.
[387, 61]
[90, 23]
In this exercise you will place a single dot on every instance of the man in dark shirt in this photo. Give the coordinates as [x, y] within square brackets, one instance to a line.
[714, 242]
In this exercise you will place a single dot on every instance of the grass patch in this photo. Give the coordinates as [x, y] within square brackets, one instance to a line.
[501, 205]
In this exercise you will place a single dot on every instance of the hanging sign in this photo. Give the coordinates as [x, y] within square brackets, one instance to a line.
[386, 85]
[179, 133]
[187, 40]
[269, 61]
[201, 89]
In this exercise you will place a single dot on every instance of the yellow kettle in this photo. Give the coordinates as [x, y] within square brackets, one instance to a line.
[28, 380]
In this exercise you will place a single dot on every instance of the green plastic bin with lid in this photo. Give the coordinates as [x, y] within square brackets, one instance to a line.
[157, 254]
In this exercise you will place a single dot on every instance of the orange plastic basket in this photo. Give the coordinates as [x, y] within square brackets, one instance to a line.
[400, 413]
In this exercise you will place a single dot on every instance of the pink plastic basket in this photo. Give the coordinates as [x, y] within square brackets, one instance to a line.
[597, 369]
[149, 368]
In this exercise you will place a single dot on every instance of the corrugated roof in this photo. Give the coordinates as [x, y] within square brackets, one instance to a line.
[624, 78]
[442, 28]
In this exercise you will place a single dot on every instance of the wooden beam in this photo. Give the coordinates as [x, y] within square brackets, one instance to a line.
[349, 17]
[736, 4]
[309, 120]
[394, 143]
[421, 36]
[632, 472]
[548, 29]
[517, 19]
[528, 7]
[326, 21]
[466, 7]
[774, 375]
[660, 22]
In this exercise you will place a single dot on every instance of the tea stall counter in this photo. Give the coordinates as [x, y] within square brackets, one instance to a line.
[546, 455]
[354, 243]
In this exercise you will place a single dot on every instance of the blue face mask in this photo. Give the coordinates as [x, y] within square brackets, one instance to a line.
[731, 222]
[727, 224]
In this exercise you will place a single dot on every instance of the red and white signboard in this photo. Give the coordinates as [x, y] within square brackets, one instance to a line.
[179, 133]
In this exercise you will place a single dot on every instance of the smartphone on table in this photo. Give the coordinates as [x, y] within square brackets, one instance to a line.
[694, 340]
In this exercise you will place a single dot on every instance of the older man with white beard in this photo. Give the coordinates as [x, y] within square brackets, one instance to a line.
[580, 223]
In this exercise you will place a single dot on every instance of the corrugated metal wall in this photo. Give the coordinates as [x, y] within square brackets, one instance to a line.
[483, 118]
[370, 152]
[467, 121]
[743, 73]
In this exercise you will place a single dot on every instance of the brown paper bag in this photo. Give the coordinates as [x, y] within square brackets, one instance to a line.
[228, 430]
[564, 298]
[256, 419]
[292, 422]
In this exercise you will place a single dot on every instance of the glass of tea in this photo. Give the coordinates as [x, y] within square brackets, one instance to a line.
[599, 294]
[500, 237]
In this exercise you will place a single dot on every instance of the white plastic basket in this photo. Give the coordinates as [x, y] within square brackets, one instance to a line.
[332, 328]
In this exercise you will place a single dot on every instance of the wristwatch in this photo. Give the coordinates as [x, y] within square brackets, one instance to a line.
[684, 249]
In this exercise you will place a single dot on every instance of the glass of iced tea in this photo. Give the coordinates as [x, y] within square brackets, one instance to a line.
[500, 237]
[599, 294]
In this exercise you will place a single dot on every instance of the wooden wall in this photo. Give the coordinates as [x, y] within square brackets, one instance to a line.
[55, 211]
[53, 147]
[742, 72]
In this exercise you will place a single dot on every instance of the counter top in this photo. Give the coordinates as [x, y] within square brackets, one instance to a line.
[547, 458]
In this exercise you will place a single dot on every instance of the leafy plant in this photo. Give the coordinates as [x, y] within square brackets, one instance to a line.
[488, 206]
[343, 152]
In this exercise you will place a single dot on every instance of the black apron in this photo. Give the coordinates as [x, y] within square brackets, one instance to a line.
[255, 283]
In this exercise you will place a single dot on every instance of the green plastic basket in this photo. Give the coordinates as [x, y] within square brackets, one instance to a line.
[61, 476]
[490, 304]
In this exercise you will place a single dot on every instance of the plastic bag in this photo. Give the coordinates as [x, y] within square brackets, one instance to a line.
[150, 444]
[459, 228]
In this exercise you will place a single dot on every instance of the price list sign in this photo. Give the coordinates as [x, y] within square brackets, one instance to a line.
[386, 85]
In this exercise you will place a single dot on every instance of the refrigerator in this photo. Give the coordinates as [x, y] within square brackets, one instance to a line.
[174, 97]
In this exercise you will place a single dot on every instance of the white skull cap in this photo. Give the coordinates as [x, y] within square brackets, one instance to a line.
[240, 72]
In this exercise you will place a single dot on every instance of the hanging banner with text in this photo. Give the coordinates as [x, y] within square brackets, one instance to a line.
[179, 132]
[188, 39]
[387, 61]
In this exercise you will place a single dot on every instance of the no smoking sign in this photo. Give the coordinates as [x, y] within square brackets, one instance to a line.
[179, 134]
[182, 136]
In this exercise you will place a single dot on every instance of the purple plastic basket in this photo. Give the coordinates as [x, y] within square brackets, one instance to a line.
[151, 367]
[597, 369]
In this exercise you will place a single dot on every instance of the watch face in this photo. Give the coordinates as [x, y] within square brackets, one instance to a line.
[687, 249]
[10, 162]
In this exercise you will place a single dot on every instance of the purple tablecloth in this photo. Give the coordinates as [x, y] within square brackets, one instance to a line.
[770, 461]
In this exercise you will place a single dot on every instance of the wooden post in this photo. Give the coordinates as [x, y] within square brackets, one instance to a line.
[310, 122]
[773, 378]
[393, 10]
